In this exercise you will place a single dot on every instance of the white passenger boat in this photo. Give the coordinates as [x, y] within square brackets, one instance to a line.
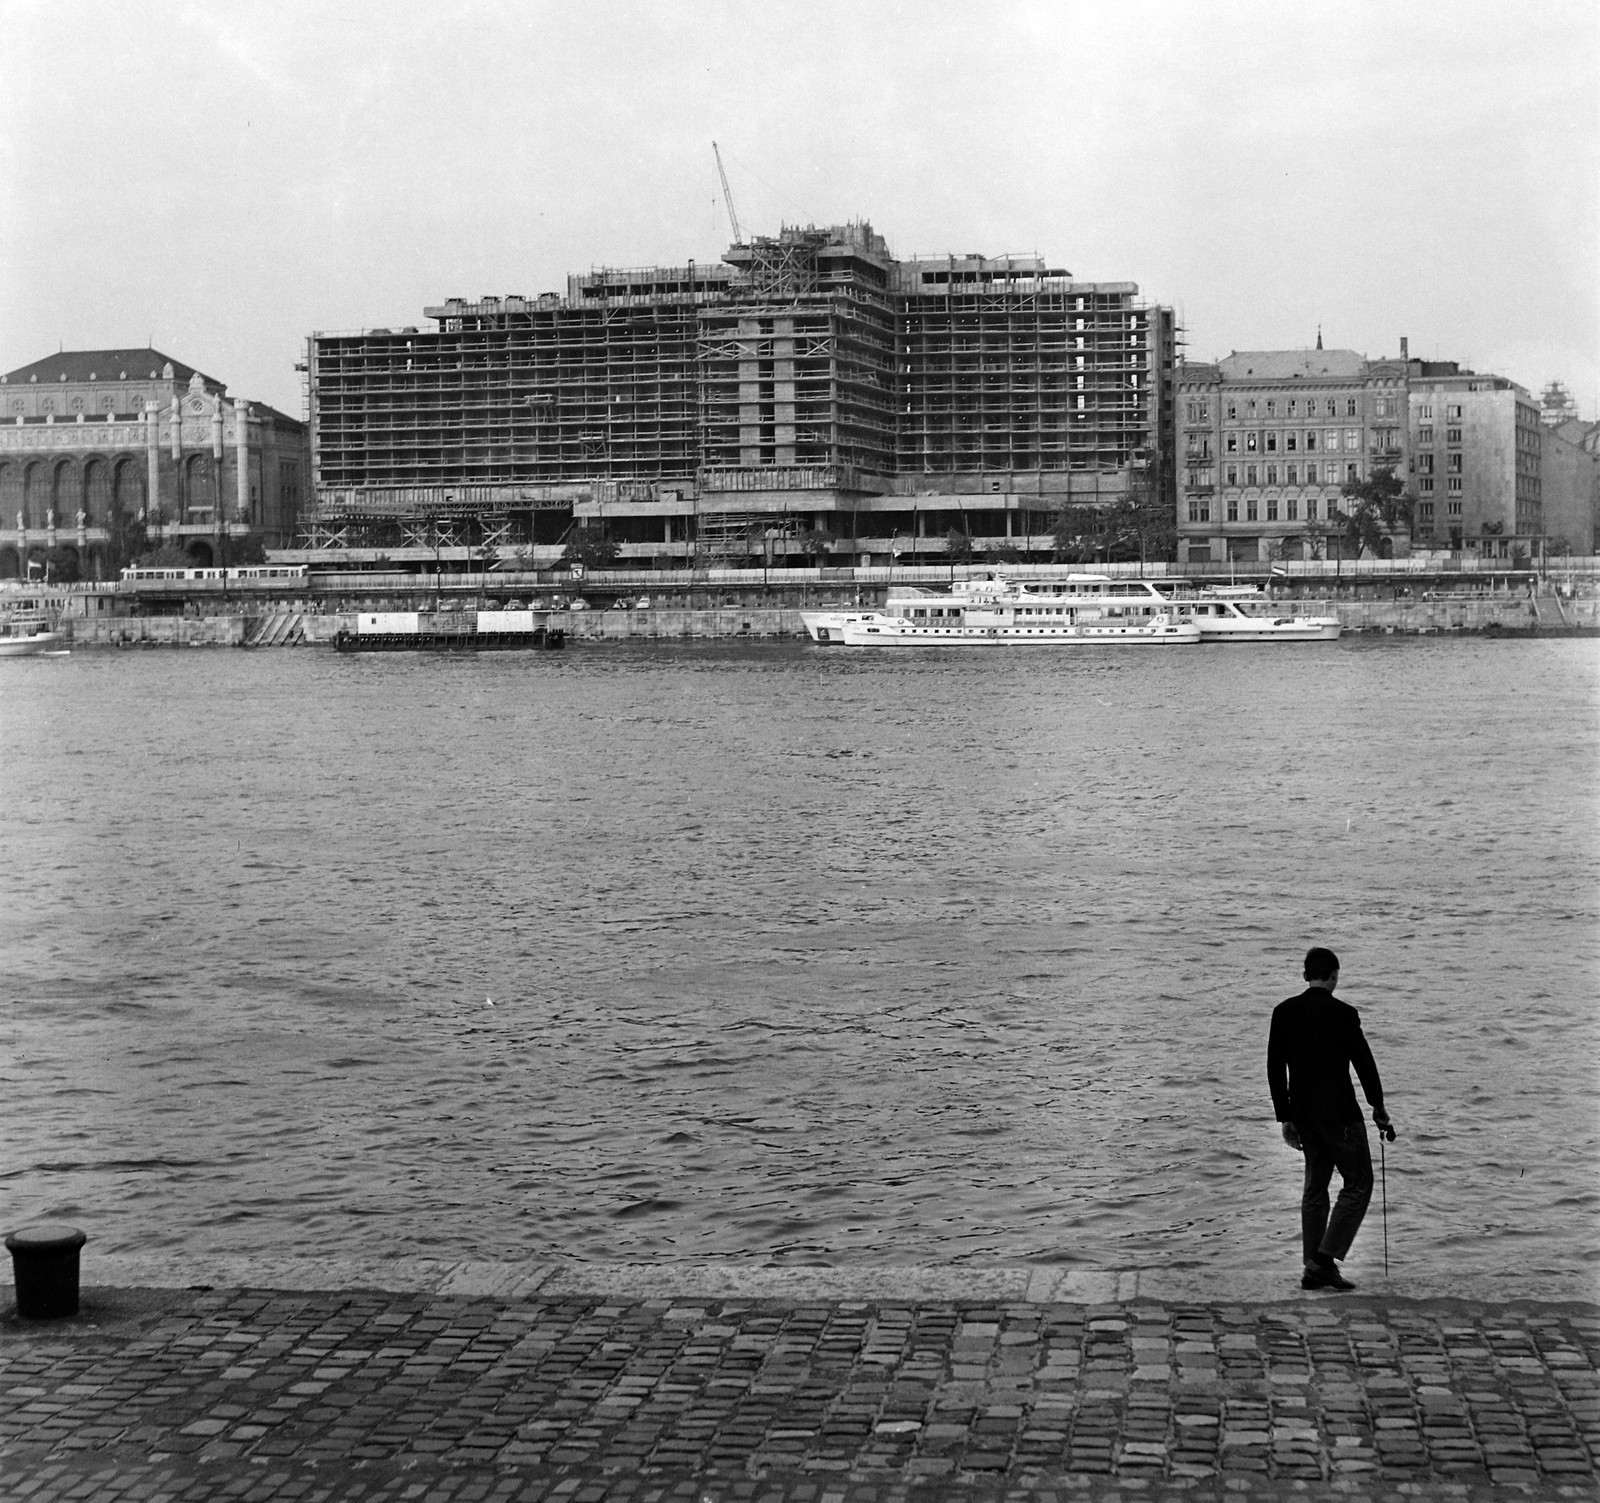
[1258, 620]
[1082, 610]
[27, 633]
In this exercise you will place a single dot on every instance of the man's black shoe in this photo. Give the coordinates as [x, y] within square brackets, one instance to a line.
[1327, 1277]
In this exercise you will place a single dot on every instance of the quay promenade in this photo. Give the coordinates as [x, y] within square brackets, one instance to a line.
[434, 1381]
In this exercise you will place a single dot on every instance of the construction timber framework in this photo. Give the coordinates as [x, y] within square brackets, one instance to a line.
[807, 376]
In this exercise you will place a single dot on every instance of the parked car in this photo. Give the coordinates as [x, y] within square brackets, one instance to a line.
[578, 603]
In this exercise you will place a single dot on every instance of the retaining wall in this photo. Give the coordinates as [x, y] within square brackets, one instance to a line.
[1507, 613]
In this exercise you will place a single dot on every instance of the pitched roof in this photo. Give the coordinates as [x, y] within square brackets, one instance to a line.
[1284, 365]
[108, 365]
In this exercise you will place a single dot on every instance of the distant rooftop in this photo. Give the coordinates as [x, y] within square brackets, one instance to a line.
[109, 365]
[1286, 365]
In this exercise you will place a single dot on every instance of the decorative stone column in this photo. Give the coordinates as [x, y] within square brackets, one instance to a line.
[177, 436]
[241, 430]
[152, 442]
[218, 511]
[83, 533]
[50, 528]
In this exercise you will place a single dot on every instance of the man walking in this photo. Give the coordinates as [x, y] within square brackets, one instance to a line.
[1315, 1039]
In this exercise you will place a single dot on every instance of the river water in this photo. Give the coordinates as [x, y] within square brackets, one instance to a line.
[770, 952]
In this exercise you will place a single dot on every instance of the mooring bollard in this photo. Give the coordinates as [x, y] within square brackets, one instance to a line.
[44, 1262]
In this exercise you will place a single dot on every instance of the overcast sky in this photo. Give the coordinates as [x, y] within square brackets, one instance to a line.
[222, 179]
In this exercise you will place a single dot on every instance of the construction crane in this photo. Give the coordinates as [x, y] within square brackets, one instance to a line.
[727, 195]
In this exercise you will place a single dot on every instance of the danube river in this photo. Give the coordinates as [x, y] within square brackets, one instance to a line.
[771, 952]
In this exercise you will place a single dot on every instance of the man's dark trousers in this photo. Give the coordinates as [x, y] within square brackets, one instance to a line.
[1329, 1146]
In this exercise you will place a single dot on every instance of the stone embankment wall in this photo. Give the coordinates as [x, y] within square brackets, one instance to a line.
[1503, 613]
[157, 631]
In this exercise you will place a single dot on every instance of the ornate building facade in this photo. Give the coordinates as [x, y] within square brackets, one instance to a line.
[100, 446]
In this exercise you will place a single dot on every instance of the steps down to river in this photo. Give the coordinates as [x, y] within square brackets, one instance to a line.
[283, 629]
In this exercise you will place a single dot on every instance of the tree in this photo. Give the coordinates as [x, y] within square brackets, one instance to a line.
[239, 552]
[1137, 525]
[61, 566]
[958, 547]
[1374, 510]
[590, 547]
[126, 539]
[167, 556]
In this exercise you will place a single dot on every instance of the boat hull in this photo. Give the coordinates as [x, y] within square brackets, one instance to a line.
[1298, 629]
[890, 633]
[28, 647]
[540, 639]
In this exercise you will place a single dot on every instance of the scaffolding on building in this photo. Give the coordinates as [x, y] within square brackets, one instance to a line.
[809, 363]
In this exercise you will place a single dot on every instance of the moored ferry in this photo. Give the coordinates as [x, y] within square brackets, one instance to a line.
[1257, 620]
[1097, 607]
[1082, 610]
[449, 631]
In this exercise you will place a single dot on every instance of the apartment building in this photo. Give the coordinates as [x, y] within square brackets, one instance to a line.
[1478, 446]
[1268, 439]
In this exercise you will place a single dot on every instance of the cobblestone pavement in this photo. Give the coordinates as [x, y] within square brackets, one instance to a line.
[253, 1394]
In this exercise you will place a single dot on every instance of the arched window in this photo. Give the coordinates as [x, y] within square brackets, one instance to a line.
[11, 496]
[200, 490]
[127, 487]
[66, 492]
[96, 491]
[35, 495]
[10, 566]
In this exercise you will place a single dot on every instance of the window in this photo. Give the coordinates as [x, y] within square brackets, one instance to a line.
[1333, 408]
[1454, 508]
[1383, 407]
[1452, 435]
[1233, 474]
[1425, 464]
[1425, 435]
[1290, 441]
[1453, 484]
[1233, 411]
[1231, 443]
[1425, 412]
[1311, 441]
[1426, 510]
[1252, 407]
[1249, 474]
[1272, 474]
[1350, 408]
[1250, 510]
[1453, 412]
[1425, 485]
[1330, 440]
[1452, 462]
[1233, 508]
[1352, 474]
[1194, 509]
[1272, 407]
[1272, 508]
[1292, 475]
[1352, 439]
[1311, 474]
[1272, 443]
[1250, 442]
[1311, 508]
[1291, 509]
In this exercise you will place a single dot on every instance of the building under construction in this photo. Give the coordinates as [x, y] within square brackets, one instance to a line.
[809, 394]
